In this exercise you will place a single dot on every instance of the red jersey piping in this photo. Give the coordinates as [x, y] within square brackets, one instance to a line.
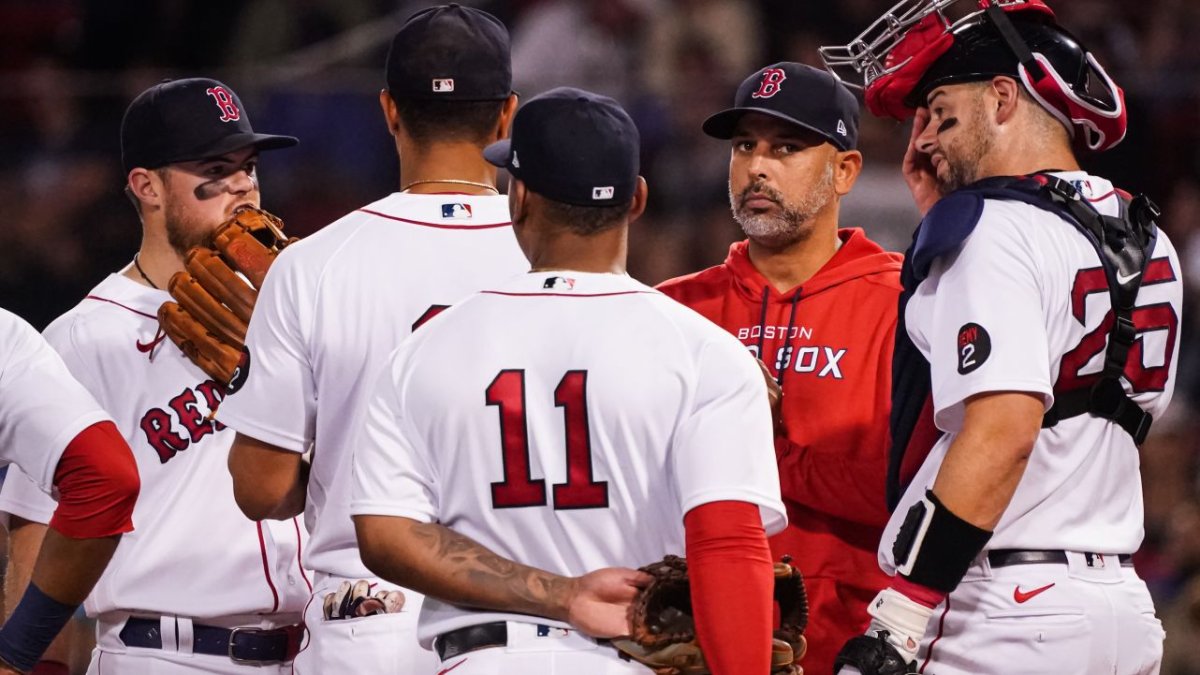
[439, 226]
[262, 548]
[114, 302]
[299, 551]
[567, 295]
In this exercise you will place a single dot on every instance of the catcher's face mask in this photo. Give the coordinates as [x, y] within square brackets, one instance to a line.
[918, 45]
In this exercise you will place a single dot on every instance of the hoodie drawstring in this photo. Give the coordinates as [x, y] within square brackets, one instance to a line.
[787, 338]
[762, 322]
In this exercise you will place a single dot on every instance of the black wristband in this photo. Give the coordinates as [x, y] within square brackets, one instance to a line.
[934, 547]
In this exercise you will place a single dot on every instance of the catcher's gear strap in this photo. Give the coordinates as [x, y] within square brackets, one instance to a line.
[98, 484]
[35, 622]
[1124, 245]
[729, 564]
[934, 547]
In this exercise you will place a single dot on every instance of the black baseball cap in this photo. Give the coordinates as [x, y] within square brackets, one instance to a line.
[187, 120]
[800, 94]
[572, 146]
[450, 53]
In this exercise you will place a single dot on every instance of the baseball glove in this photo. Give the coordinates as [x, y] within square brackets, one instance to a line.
[215, 293]
[663, 630]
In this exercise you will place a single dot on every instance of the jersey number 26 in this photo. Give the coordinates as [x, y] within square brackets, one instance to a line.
[519, 487]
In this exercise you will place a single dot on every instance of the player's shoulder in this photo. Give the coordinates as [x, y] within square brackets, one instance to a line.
[17, 336]
[117, 311]
[707, 282]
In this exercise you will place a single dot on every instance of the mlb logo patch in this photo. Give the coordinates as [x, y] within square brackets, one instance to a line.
[456, 211]
[605, 192]
[560, 283]
[443, 85]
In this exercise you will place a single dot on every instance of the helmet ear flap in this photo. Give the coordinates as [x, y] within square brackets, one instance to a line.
[1095, 123]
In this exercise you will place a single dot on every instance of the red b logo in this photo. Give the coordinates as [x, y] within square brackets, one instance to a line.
[229, 109]
[770, 83]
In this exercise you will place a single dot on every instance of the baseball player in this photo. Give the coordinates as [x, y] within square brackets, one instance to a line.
[199, 587]
[338, 302]
[818, 305]
[597, 414]
[1045, 304]
[53, 430]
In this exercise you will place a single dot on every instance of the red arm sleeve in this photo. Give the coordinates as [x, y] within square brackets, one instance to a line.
[844, 488]
[97, 481]
[733, 586]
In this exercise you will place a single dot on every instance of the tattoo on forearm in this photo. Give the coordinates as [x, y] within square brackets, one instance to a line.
[493, 581]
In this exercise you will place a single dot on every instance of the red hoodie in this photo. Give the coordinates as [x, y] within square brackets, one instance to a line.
[829, 344]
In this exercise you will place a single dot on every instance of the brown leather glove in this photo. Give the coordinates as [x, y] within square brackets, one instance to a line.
[663, 629]
[215, 294]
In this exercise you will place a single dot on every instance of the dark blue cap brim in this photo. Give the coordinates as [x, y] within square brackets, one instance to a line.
[236, 142]
[723, 124]
[498, 153]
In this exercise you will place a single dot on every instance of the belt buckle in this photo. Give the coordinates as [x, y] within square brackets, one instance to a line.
[233, 633]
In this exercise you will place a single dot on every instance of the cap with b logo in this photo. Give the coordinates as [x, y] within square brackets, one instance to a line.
[796, 93]
[187, 120]
[572, 146]
[450, 53]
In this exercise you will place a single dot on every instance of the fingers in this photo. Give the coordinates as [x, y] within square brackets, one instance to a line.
[354, 600]
[640, 579]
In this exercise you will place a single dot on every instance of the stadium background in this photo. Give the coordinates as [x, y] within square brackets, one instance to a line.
[312, 68]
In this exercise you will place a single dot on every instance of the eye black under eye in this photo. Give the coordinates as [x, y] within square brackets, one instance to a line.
[947, 125]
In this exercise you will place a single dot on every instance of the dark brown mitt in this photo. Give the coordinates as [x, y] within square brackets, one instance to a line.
[663, 628]
[215, 294]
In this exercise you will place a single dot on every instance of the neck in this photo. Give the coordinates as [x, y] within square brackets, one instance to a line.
[1030, 153]
[786, 267]
[556, 248]
[157, 259]
[425, 165]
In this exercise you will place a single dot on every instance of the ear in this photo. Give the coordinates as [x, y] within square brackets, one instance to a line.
[390, 114]
[517, 197]
[1007, 94]
[847, 166]
[145, 186]
[507, 112]
[641, 194]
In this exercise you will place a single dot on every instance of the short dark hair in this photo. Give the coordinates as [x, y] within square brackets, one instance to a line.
[465, 121]
[585, 220]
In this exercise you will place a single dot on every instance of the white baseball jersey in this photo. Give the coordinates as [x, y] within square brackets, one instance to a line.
[332, 309]
[1024, 306]
[567, 421]
[193, 553]
[42, 408]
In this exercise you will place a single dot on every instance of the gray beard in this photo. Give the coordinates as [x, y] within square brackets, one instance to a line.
[789, 225]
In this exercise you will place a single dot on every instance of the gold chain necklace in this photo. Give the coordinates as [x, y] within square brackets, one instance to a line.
[452, 181]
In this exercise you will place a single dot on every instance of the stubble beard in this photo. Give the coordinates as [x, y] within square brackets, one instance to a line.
[793, 221]
[184, 231]
[964, 169]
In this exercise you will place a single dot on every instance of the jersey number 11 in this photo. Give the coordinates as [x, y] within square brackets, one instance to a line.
[519, 488]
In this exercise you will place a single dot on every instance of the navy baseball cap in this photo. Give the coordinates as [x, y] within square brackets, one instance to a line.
[450, 53]
[187, 120]
[572, 146]
[796, 93]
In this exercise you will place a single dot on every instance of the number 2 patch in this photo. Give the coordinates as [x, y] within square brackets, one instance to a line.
[974, 347]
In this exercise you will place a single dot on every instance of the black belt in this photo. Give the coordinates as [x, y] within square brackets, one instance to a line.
[1006, 556]
[462, 640]
[241, 645]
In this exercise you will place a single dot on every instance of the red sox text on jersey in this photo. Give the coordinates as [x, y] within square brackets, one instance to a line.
[182, 412]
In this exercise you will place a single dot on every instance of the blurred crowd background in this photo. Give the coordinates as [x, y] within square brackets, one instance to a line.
[313, 68]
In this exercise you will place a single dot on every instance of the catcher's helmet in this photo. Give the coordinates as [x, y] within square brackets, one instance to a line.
[915, 48]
